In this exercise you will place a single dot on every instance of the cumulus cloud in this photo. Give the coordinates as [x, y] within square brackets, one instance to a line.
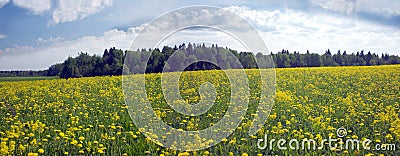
[62, 10]
[354, 6]
[285, 28]
[56, 50]
[68, 10]
[3, 3]
[35, 6]
[301, 31]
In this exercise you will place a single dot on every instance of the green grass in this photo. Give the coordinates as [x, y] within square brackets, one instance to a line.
[28, 78]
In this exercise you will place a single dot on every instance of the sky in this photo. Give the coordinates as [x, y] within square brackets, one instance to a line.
[34, 34]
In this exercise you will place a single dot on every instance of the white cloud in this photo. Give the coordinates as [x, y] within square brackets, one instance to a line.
[68, 10]
[2, 36]
[35, 6]
[63, 10]
[50, 40]
[56, 50]
[301, 31]
[3, 3]
[354, 6]
[289, 29]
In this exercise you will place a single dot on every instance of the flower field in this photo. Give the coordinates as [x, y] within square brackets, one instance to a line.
[88, 116]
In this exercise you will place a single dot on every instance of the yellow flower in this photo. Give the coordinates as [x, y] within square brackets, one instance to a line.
[41, 151]
[74, 142]
[183, 154]
[233, 141]
[21, 147]
[33, 142]
[61, 134]
[33, 154]
[245, 154]
[81, 138]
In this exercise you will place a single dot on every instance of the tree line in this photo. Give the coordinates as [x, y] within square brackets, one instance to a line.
[112, 61]
[22, 73]
[286, 59]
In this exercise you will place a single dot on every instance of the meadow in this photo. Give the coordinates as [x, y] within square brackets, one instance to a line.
[88, 116]
[31, 78]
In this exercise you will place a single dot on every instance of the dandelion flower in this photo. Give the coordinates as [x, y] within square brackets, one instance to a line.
[41, 151]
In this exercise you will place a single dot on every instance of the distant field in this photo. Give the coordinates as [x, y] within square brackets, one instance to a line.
[28, 78]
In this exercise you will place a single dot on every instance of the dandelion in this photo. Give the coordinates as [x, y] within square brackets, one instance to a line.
[41, 151]
[61, 134]
[81, 138]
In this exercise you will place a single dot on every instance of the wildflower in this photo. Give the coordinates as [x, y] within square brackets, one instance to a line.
[21, 147]
[183, 154]
[33, 154]
[61, 134]
[81, 138]
[74, 142]
[41, 151]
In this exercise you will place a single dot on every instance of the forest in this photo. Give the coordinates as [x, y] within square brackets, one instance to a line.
[112, 60]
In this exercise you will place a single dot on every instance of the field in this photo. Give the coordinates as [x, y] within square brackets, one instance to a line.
[89, 115]
[27, 78]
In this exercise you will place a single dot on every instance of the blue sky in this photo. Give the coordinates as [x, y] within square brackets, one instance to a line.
[35, 34]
